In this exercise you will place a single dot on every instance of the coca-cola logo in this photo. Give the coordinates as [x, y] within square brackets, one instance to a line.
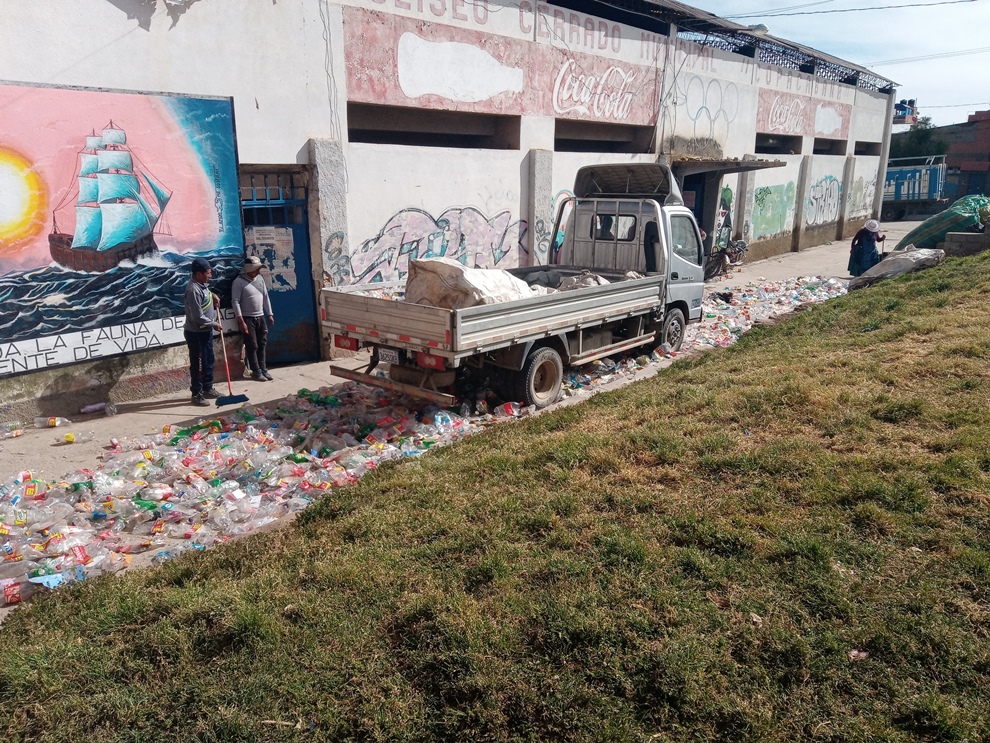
[786, 116]
[605, 96]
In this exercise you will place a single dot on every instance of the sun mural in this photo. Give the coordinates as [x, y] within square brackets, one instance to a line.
[22, 200]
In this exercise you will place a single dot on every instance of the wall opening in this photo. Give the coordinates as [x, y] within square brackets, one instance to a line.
[420, 127]
[777, 144]
[868, 148]
[592, 136]
[825, 146]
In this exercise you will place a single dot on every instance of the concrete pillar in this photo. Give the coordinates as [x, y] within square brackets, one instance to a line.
[848, 171]
[884, 155]
[800, 199]
[540, 206]
[742, 219]
[328, 210]
[328, 223]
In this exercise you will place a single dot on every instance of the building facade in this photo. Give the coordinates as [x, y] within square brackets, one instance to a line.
[367, 133]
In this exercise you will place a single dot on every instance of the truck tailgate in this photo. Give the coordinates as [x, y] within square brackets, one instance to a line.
[349, 311]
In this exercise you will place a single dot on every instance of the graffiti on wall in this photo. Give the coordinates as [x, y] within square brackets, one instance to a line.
[823, 201]
[861, 196]
[773, 210]
[463, 234]
[105, 198]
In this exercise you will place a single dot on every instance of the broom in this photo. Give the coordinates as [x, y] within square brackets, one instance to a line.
[230, 399]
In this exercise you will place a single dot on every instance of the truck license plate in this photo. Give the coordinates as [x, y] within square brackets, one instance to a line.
[388, 355]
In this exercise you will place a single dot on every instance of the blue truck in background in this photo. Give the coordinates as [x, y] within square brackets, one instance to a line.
[914, 185]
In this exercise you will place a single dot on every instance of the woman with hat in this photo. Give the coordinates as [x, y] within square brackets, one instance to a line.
[864, 254]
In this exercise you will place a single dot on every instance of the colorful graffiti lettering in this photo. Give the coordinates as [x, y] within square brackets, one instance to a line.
[773, 210]
[823, 201]
[336, 265]
[861, 196]
[464, 234]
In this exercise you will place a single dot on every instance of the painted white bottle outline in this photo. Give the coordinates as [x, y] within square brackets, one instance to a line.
[454, 70]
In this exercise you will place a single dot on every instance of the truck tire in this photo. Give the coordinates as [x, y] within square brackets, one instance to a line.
[538, 382]
[672, 330]
[893, 212]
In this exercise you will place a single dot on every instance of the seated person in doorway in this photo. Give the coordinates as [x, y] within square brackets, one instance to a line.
[864, 254]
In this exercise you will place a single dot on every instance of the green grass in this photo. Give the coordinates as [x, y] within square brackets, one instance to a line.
[692, 558]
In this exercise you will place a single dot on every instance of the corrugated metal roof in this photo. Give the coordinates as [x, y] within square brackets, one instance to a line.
[707, 29]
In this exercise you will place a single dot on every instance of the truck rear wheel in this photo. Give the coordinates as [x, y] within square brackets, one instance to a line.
[538, 382]
[672, 330]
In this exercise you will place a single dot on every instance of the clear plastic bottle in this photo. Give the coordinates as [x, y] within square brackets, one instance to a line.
[51, 422]
[75, 438]
[12, 433]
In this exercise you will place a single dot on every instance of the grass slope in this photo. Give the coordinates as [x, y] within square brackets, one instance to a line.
[785, 540]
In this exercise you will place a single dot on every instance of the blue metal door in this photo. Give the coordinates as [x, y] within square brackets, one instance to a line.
[276, 229]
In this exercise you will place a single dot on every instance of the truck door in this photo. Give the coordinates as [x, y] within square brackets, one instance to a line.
[686, 282]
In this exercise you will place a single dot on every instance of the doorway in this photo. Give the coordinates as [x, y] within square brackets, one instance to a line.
[276, 229]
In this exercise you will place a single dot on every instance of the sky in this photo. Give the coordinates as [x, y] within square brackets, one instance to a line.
[946, 88]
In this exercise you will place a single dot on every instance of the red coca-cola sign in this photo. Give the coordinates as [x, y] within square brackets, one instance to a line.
[608, 95]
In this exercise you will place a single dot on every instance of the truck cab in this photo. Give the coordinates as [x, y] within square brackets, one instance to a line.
[632, 218]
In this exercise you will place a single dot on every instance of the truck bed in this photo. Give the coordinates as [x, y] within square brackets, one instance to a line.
[457, 334]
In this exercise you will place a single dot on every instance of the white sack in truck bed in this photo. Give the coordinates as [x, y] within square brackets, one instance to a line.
[442, 282]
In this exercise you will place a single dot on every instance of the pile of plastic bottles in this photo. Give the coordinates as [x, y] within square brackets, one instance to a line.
[726, 314]
[190, 488]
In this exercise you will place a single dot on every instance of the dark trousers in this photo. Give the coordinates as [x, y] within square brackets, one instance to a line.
[256, 343]
[200, 361]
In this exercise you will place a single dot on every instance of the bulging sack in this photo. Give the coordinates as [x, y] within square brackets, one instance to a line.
[445, 283]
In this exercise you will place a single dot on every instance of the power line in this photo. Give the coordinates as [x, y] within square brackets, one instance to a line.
[941, 55]
[780, 10]
[773, 14]
[957, 105]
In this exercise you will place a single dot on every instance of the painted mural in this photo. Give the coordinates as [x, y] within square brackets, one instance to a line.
[823, 201]
[723, 220]
[801, 116]
[463, 234]
[396, 61]
[105, 198]
[773, 210]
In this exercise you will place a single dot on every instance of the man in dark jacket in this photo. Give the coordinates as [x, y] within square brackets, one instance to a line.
[201, 320]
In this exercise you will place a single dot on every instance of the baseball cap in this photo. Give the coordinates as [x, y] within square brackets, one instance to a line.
[199, 265]
[253, 263]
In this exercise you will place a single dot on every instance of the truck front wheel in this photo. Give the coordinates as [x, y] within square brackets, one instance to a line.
[672, 331]
[540, 379]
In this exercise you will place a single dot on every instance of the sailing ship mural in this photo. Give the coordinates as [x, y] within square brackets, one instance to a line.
[117, 207]
[99, 224]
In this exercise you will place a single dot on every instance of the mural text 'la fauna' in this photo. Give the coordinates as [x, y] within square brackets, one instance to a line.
[85, 345]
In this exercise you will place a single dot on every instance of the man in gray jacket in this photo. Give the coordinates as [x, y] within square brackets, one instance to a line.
[201, 320]
[249, 297]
